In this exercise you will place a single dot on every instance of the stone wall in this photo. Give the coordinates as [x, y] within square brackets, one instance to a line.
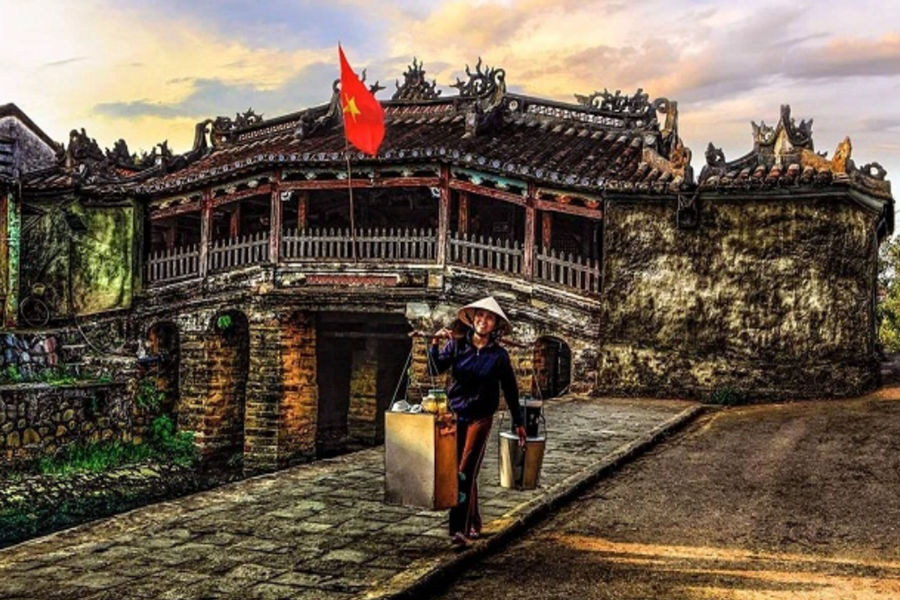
[37, 419]
[765, 298]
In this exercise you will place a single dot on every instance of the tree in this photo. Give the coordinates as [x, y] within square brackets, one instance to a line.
[888, 308]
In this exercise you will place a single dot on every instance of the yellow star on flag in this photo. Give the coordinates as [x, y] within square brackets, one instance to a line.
[350, 107]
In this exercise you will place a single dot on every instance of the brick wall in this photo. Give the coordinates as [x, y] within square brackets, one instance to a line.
[300, 390]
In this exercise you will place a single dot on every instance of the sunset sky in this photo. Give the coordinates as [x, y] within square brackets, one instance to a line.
[147, 71]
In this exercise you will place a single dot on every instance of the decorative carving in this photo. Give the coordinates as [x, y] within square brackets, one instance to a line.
[875, 171]
[487, 82]
[120, 155]
[638, 104]
[799, 135]
[82, 147]
[763, 135]
[415, 86]
[715, 164]
[314, 120]
[375, 87]
[837, 164]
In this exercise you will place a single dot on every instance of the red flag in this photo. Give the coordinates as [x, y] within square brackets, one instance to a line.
[363, 115]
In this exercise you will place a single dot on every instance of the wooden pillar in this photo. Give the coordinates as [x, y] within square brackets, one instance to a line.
[529, 250]
[463, 222]
[169, 234]
[234, 226]
[546, 229]
[275, 221]
[528, 263]
[205, 230]
[302, 209]
[443, 216]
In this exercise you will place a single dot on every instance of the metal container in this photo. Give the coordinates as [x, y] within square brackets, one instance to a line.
[520, 468]
[420, 465]
[532, 414]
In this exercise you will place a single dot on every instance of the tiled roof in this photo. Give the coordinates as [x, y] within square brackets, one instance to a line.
[607, 142]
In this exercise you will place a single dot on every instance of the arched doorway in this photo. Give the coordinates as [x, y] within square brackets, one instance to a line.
[228, 354]
[552, 366]
[161, 363]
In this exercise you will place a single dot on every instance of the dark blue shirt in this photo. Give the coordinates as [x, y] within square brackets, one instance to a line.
[478, 376]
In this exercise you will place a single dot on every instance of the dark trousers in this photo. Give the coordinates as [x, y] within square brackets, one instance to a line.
[471, 442]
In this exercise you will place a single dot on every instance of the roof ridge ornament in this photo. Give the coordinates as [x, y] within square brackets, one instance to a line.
[488, 82]
[638, 104]
[415, 86]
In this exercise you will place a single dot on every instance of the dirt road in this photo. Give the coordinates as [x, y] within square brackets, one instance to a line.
[796, 501]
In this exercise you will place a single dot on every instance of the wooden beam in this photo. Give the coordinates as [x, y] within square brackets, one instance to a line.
[457, 184]
[262, 190]
[171, 211]
[335, 184]
[591, 213]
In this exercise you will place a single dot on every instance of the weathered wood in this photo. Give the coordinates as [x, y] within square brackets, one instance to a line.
[467, 186]
[335, 184]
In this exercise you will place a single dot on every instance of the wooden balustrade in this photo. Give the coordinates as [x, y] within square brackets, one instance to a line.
[174, 265]
[374, 245]
[377, 246]
[486, 253]
[238, 252]
[567, 270]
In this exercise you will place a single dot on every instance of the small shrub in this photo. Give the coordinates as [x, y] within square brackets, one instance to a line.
[177, 446]
[148, 396]
[726, 396]
[13, 374]
[224, 322]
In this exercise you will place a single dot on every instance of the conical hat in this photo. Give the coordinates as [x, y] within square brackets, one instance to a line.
[467, 314]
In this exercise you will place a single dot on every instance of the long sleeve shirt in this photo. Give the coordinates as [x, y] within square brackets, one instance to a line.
[478, 376]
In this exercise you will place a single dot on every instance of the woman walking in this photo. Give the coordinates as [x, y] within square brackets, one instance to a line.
[480, 367]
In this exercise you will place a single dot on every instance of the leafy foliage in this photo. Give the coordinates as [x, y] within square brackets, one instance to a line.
[726, 396]
[888, 309]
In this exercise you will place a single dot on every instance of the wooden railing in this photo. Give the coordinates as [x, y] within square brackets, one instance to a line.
[238, 252]
[551, 266]
[174, 265]
[486, 253]
[374, 245]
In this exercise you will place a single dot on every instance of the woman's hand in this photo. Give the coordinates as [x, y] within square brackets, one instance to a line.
[442, 334]
[520, 433]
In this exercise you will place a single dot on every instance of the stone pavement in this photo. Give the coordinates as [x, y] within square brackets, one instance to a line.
[321, 531]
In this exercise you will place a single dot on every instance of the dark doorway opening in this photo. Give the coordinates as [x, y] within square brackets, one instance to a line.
[360, 361]
[553, 366]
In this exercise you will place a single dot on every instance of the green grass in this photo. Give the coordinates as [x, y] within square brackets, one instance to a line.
[164, 444]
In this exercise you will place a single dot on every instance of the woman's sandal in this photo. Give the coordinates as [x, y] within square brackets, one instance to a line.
[474, 534]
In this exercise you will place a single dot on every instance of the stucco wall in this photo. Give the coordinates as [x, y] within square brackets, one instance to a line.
[32, 152]
[766, 298]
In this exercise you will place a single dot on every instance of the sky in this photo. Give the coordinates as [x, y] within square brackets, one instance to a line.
[149, 71]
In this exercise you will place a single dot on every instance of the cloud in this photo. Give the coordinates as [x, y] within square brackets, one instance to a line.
[65, 61]
[848, 57]
[216, 97]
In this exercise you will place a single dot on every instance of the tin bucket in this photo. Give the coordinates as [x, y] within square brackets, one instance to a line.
[520, 468]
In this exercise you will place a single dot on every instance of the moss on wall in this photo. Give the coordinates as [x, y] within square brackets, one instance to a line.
[99, 243]
[773, 298]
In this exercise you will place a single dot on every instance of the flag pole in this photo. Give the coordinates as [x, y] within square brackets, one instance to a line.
[350, 190]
